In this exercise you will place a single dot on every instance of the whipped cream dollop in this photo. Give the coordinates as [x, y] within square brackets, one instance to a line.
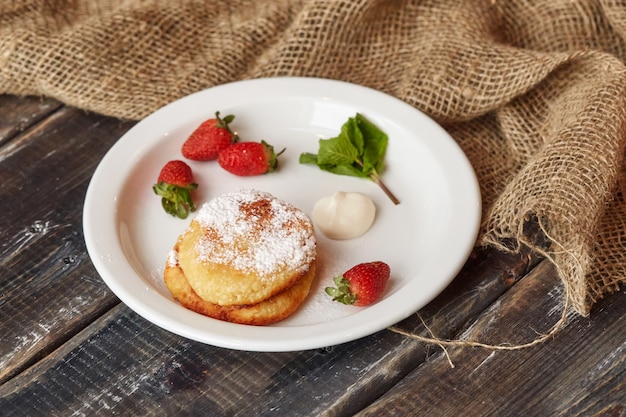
[344, 215]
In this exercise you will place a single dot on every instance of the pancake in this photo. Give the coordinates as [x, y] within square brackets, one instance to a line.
[272, 310]
[246, 257]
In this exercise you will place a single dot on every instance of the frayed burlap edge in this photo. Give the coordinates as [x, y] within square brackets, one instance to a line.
[583, 260]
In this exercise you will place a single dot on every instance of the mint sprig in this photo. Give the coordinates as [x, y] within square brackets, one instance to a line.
[358, 151]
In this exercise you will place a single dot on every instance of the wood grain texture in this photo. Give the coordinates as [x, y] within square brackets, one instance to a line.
[69, 347]
[177, 375]
[138, 369]
[49, 288]
[579, 372]
[19, 113]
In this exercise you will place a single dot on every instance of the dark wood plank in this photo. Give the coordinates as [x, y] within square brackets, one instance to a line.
[172, 374]
[49, 288]
[51, 292]
[19, 113]
[579, 372]
[69, 347]
[126, 366]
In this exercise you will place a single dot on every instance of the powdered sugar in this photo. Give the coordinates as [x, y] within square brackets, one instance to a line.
[172, 258]
[254, 231]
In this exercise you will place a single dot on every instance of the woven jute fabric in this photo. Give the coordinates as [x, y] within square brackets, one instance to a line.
[533, 91]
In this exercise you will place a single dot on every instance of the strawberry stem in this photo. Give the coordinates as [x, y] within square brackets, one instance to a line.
[224, 123]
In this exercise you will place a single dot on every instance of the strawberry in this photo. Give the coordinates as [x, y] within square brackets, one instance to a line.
[206, 142]
[174, 185]
[361, 285]
[249, 158]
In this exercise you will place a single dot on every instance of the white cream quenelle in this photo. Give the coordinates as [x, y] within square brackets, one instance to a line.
[344, 215]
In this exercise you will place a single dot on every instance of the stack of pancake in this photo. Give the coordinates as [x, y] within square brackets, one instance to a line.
[247, 257]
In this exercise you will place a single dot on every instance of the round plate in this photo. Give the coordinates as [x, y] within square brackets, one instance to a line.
[425, 239]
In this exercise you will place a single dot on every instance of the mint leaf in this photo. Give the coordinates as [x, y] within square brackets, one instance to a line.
[349, 170]
[337, 151]
[353, 133]
[308, 158]
[375, 145]
[359, 151]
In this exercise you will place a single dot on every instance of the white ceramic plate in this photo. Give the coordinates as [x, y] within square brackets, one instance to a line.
[425, 239]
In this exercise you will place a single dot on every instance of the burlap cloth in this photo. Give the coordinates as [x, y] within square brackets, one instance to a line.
[534, 92]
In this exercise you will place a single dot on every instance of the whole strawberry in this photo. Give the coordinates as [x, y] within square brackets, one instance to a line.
[174, 185]
[206, 142]
[361, 285]
[249, 158]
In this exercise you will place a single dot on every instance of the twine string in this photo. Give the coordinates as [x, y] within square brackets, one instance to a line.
[444, 343]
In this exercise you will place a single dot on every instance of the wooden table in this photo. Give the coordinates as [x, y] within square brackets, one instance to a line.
[70, 347]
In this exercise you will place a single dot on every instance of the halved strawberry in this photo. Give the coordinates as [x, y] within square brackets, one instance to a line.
[361, 285]
[249, 158]
[174, 185]
[213, 135]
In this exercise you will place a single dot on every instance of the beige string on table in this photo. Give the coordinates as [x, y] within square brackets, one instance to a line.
[533, 91]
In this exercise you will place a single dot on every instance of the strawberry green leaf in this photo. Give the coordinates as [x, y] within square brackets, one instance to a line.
[341, 293]
[176, 200]
[224, 123]
[228, 119]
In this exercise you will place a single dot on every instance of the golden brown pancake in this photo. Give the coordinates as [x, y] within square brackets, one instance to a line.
[272, 310]
[246, 257]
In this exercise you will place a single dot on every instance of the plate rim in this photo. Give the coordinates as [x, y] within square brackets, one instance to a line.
[352, 328]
